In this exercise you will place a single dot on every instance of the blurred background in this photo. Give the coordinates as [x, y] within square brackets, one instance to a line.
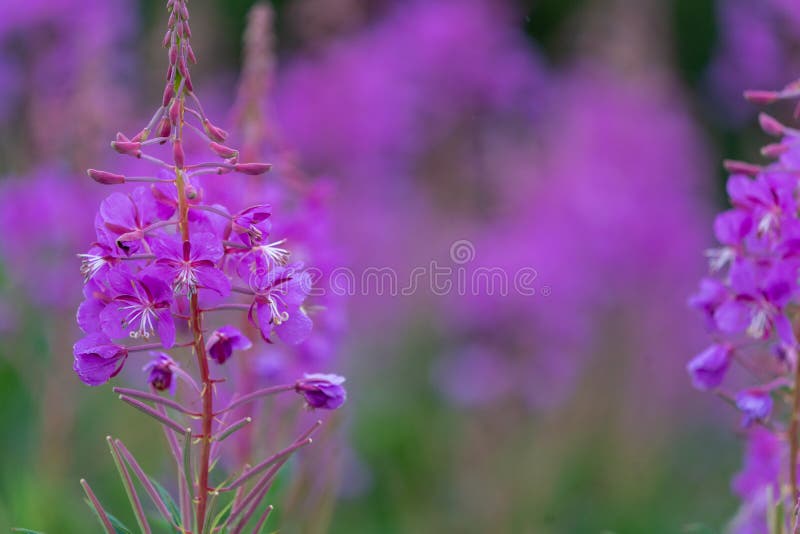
[558, 159]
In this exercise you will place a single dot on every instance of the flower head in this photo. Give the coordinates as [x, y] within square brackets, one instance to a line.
[162, 370]
[755, 404]
[98, 359]
[192, 264]
[140, 307]
[708, 368]
[224, 341]
[322, 391]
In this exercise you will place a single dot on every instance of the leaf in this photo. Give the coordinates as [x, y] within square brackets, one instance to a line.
[130, 490]
[174, 511]
[26, 530]
[187, 462]
[221, 516]
[119, 526]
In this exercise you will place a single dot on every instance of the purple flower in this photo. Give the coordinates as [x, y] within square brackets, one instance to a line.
[97, 359]
[192, 264]
[279, 293]
[140, 307]
[96, 298]
[770, 198]
[322, 391]
[251, 226]
[224, 341]
[731, 228]
[97, 260]
[123, 218]
[162, 371]
[708, 368]
[755, 404]
[758, 301]
[709, 296]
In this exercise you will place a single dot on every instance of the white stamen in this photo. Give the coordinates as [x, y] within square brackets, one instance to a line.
[90, 264]
[275, 253]
[720, 257]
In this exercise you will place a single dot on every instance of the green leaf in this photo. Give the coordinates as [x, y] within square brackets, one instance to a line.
[118, 525]
[187, 462]
[221, 516]
[174, 511]
[26, 530]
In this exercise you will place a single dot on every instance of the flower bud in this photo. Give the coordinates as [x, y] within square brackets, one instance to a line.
[770, 125]
[216, 134]
[164, 128]
[774, 150]
[175, 111]
[741, 167]
[253, 169]
[177, 153]
[141, 136]
[105, 177]
[128, 148]
[169, 92]
[762, 97]
[223, 151]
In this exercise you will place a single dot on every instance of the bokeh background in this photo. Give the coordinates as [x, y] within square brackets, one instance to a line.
[576, 138]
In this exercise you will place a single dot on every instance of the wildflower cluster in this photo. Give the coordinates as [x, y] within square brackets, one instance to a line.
[750, 305]
[166, 269]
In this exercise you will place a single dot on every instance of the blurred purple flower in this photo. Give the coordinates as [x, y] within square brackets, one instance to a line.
[322, 391]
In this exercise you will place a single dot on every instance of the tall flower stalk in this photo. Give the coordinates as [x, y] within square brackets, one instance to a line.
[164, 255]
[750, 304]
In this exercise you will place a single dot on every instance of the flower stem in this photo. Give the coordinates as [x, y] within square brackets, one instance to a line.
[196, 326]
[794, 438]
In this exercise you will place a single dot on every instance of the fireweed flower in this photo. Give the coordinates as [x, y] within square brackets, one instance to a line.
[140, 307]
[97, 359]
[223, 341]
[161, 252]
[755, 404]
[322, 391]
[161, 372]
[709, 367]
[192, 264]
[279, 294]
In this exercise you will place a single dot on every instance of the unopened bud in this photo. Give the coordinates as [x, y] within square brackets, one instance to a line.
[216, 134]
[177, 153]
[105, 178]
[175, 111]
[741, 167]
[164, 128]
[128, 148]
[252, 169]
[141, 136]
[223, 151]
[774, 150]
[762, 97]
[770, 125]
